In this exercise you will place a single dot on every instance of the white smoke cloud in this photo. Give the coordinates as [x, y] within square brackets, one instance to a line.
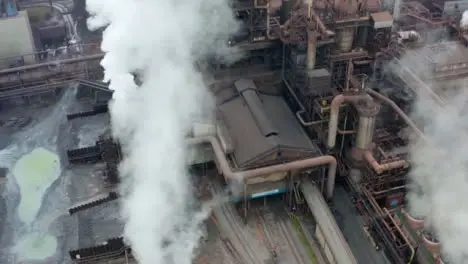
[464, 19]
[441, 173]
[161, 39]
[440, 169]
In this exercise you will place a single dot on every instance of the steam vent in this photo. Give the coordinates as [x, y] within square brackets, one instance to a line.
[415, 222]
[302, 134]
[431, 242]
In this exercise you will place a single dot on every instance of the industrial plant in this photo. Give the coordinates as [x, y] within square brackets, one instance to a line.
[321, 133]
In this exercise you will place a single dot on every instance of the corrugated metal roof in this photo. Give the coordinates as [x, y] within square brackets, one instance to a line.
[259, 124]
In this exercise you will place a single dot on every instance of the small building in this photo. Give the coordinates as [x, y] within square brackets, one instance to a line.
[263, 129]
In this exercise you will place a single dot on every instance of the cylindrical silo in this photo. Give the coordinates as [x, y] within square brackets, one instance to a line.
[345, 39]
[366, 125]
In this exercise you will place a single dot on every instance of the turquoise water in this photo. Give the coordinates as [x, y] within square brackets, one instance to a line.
[34, 173]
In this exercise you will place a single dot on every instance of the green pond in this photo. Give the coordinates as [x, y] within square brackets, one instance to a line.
[35, 172]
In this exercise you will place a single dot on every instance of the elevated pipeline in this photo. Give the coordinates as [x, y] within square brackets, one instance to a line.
[52, 63]
[379, 168]
[229, 174]
[334, 239]
[383, 99]
[398, 110]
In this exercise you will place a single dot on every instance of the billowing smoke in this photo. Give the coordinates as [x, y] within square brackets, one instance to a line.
[160, 41]
[440, 171]
[440, 175]
[464, 19]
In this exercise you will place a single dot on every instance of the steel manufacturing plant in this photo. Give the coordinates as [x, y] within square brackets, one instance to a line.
[297, 131]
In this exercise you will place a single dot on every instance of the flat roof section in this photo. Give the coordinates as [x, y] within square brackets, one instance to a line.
[263, 127]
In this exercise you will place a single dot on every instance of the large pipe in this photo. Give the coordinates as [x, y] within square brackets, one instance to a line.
[398, 110]
[365, 132]
[320, 25]
[380, 168]
[52, 63]
[318, 122]
[290, 166]
[335, 110]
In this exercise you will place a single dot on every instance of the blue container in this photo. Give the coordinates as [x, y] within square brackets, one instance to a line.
[261, 194]
[11, 9]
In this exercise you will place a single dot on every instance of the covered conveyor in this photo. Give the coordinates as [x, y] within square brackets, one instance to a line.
[328, 233]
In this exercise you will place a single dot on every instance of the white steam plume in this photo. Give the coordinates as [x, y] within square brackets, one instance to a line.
[440, 171]
[464, 19]
[161, 39]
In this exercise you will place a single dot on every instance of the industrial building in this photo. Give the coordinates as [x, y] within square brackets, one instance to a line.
[17, 38]
[316, 114]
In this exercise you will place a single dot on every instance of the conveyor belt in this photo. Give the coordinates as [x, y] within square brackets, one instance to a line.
[335, 240]
[98, 109]
[110, 197]
[95, 84]
[84, 155]
[112, 248]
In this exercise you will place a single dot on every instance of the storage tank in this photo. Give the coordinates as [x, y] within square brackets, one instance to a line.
[430, 241]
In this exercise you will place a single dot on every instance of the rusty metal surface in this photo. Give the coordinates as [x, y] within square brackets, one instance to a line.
[52, 68]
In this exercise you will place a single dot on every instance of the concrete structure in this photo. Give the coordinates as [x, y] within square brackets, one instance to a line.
[16, 38]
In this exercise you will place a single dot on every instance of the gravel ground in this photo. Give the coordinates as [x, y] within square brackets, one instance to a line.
[45, 125]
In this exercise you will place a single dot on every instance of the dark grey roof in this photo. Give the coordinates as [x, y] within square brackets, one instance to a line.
[260, 123]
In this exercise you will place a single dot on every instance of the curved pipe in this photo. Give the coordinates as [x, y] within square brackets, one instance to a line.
[294, 165]
[379, 168]
[398, 110]
[320, 25]
[335, 110]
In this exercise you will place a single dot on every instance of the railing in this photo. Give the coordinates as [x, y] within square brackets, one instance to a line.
[61, 53]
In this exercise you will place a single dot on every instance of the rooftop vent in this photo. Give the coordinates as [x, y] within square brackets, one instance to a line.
[431, 242]
[414, 222]
[249, 92]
